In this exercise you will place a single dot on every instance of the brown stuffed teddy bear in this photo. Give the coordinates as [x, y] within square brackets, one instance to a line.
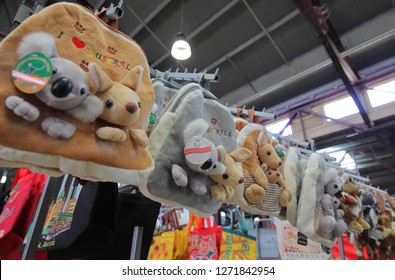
[384, 223]
[387, 246]
[352, 205]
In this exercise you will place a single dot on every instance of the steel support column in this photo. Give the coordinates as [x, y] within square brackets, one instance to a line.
[333, 46]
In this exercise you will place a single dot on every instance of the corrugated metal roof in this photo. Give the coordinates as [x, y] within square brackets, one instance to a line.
[346, 14]
[269, 11]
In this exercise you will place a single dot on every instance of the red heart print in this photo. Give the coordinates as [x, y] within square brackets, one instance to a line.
[79, 44]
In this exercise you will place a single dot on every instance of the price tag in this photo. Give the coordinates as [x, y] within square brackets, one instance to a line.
[197, 150]
[32, 72]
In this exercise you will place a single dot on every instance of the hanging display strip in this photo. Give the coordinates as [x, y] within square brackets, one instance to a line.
[79, 136]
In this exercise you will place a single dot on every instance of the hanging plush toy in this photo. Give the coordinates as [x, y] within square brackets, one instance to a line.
[352, 205]
[333, 221]
[200, 155]
[271, 163]
[122, 105]
[232, 176]
[67, 88]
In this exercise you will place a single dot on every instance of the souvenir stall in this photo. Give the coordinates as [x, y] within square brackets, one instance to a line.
[104, 156]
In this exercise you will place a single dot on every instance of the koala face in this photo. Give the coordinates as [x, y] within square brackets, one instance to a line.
[333, 187]
[68, 86]
[335, 202]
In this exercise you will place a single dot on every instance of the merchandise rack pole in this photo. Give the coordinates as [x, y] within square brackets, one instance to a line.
[341, 248]
[135, 253]
[38, 221]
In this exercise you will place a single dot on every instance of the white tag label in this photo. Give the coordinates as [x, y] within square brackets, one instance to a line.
[197, 150]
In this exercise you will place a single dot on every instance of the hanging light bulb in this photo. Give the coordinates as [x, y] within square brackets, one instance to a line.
[181, 50]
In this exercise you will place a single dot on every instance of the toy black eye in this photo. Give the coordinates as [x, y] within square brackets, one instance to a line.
[268, 153]
[336, 186]
[214, 166]
[225, 176]
[139, 104]
[82, 91]
[54, 70]
[109, 103]
[270, 173]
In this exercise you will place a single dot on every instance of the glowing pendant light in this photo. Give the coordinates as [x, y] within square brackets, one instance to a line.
[181, 50]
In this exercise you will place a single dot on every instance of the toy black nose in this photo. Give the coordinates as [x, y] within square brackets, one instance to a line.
[280, 163]
[207, 164]
[131, 107]
[61, 87]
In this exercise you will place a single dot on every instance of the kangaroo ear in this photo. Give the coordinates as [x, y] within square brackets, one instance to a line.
[262, 139]
[221, 153]
[133, 78]
[100, 79]
[241, 154]
[264, 167]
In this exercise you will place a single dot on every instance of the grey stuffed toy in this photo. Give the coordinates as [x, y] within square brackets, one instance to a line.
[67, 90]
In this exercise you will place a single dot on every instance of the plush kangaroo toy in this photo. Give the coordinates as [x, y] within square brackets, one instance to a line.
[121, 105]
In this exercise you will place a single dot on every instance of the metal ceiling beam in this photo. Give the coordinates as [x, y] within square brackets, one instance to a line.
[254, 39]
[200, 29]
[362, 159]
[241, 74]
[383, 163]
[331, 140]
[7, 12]
[302, 125]
[155, 12]
[267, 34]
[356, 127]
[385, 144]
[333, 46]
[363, 166]
[150, 31]
[316, 68]
[381, 180]
[290, 121]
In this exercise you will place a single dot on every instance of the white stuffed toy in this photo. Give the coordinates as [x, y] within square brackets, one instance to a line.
[201, 156]
[67, 90]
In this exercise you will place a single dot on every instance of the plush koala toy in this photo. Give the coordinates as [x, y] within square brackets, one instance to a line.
[333, 184]
[327, 223]
[201, 156]
[67, 90]
[340, 225]
[194, 132]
